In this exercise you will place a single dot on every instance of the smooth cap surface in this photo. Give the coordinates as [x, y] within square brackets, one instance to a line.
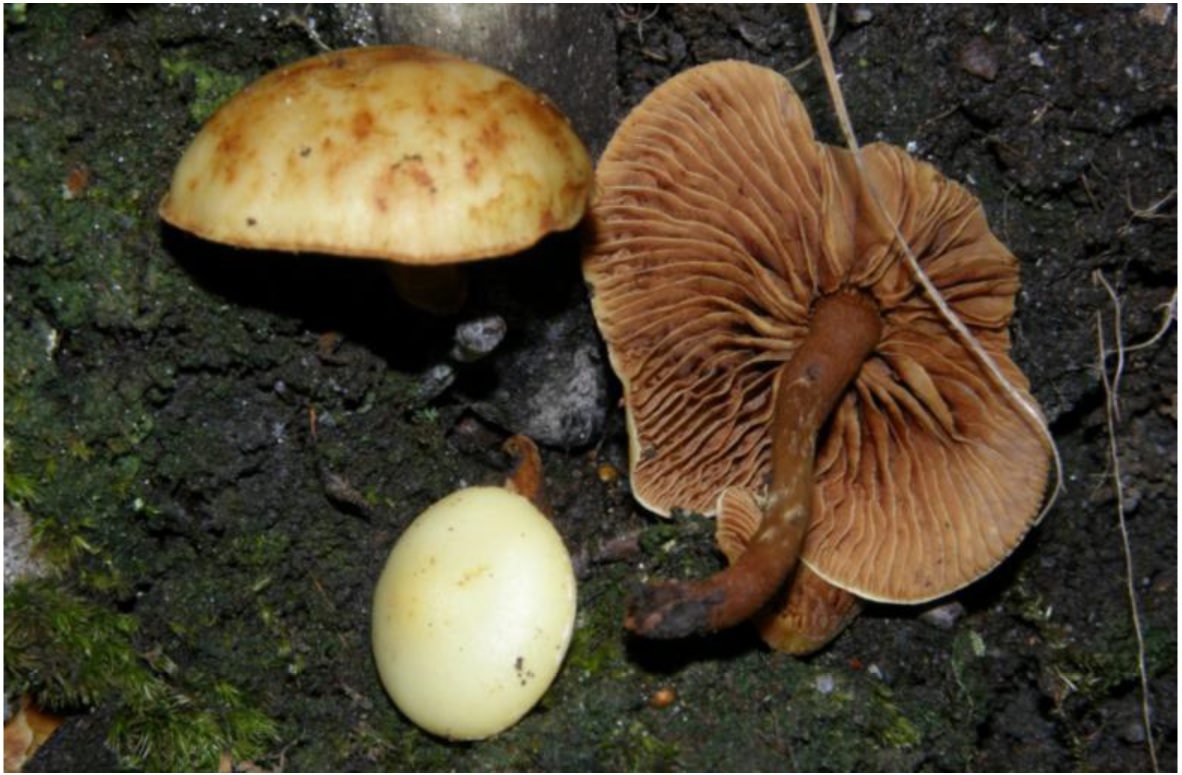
[473, 613]
[391, 152]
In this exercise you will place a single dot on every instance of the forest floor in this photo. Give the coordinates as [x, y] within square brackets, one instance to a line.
[216, 450]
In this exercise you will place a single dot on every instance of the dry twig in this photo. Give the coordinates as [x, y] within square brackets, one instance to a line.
[1112, 411]
[635, 14]
[962, 331]
[1151, 211]
[828, 38]
[306, 22]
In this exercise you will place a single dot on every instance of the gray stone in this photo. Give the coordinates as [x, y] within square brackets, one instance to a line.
[550, 381]
[566, 52]
[478, 337]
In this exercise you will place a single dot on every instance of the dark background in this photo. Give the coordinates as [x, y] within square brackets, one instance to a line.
[221, 446]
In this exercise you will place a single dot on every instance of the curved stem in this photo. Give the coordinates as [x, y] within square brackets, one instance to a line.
[845, 328]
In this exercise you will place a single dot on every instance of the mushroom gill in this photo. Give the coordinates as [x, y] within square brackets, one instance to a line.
[768, 337]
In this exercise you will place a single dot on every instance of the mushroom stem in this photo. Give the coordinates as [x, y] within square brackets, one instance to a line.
[439, 290]
[844, 329]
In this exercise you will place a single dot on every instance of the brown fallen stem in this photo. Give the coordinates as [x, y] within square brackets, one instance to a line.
[845, 327]
[526, 478]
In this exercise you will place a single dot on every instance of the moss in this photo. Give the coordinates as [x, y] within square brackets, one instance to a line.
[211, 87]
[75, 463]
[66, 653]
[15, 14]
[1100, 666]
[597, 652]
[594, 653]
[636, 748]
[1107, 662]
[69, 654]
[258, 550]
[681, 547]
[890, 725]
[28, 370]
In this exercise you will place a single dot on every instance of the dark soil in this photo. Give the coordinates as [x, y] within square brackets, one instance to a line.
[222, 447]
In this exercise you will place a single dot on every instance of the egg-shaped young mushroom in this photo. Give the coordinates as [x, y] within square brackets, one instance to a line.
[769, 337]
[473, 613]
[392, 152]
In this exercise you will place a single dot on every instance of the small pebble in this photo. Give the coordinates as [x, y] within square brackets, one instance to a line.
[824, 683]
[435, 381]
[568, 410]
[979, 58]
[475, 339]
[552, 382]
[472, 437]
[943, 617]
[857, 14]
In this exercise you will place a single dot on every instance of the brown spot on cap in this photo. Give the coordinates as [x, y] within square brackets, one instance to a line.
[472, 169]
[492, 138]
[362, 125]
[420, 157]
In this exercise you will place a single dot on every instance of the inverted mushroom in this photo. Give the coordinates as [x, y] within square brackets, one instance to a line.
[771, 342]
[390, 152]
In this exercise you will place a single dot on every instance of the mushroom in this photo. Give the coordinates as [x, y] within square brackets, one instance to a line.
[474, 610]
[473, 613]
[777, 356]
[399, 153]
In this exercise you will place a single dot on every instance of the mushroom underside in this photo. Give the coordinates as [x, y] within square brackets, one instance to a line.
[843, 331]
[722, 232]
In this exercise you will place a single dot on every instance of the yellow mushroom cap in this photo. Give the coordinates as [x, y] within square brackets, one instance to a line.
[393, 152]
[473, 613]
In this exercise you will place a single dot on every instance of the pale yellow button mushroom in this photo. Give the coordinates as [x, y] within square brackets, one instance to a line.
[473, 613]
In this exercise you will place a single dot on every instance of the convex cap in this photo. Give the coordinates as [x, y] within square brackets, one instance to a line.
[392, 152]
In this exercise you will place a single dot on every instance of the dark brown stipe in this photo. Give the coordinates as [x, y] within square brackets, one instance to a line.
[844, 329]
